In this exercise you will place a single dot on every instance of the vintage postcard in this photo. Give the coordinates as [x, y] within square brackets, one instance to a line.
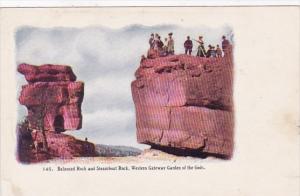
[160, 100]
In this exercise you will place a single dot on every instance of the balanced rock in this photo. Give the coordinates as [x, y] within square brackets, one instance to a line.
[53, 98]
[185, 102]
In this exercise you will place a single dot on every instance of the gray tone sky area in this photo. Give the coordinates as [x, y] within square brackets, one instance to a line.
[106, 60]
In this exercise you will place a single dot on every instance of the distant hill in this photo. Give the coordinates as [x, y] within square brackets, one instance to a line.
[116, 151]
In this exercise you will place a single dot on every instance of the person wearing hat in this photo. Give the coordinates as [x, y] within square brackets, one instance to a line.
[151, 41]
[160, 43]
[156, 41]
[225, 45]
[158, 48]
[188, 45]
[170, 44]
[201, 49]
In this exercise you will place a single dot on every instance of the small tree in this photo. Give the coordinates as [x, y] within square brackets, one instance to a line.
[43, 95]
[40, 123]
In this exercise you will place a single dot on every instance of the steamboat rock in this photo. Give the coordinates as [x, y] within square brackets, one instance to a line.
[185, 103]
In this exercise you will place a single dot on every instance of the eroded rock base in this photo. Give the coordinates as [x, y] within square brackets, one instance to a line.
[62, 146]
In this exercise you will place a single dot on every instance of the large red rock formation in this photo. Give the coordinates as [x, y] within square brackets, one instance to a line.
[53, 99]
[185, 102]
[52, 95]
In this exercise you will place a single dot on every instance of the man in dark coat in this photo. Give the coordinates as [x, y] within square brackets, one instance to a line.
[188, 45]
[225, 45]
[160, 46]
[151, 41]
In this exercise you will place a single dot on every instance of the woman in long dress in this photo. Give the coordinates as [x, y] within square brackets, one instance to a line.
[201, 49]
[170, 44]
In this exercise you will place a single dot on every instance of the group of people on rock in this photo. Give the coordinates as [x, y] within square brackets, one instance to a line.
[212, 50]
[163, 48]
[167, 47]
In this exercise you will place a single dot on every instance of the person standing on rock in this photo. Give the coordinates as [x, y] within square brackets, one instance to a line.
[154, 51]
[165, 48]
[171, 44]
[188, 46]
[225, 45]
[160, 46]
[156, 41]
[151, 41]
[201, 49]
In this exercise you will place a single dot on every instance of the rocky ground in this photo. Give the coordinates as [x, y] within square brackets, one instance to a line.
[147, 156]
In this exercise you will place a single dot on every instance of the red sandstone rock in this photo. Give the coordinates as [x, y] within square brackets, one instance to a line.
[152, 54]
[63, 146]
[30, 147]
[46, 73]
[185, 102]
[55, 98]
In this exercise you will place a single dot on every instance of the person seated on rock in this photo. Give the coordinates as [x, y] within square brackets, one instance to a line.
[170, 44]
[188, 45]
[142, 58]
[218, 51]
[209, 51]
[213, 52]
[152, 54]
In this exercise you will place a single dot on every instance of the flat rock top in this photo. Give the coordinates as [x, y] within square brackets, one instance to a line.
[46, 73]
[150, 66]
[159, 61]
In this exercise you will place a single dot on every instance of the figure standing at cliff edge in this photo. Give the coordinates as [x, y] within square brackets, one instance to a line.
[151, 41]
[225, 45]
[165, 47]
[201, 49]
[170, 44]
[188, 46]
